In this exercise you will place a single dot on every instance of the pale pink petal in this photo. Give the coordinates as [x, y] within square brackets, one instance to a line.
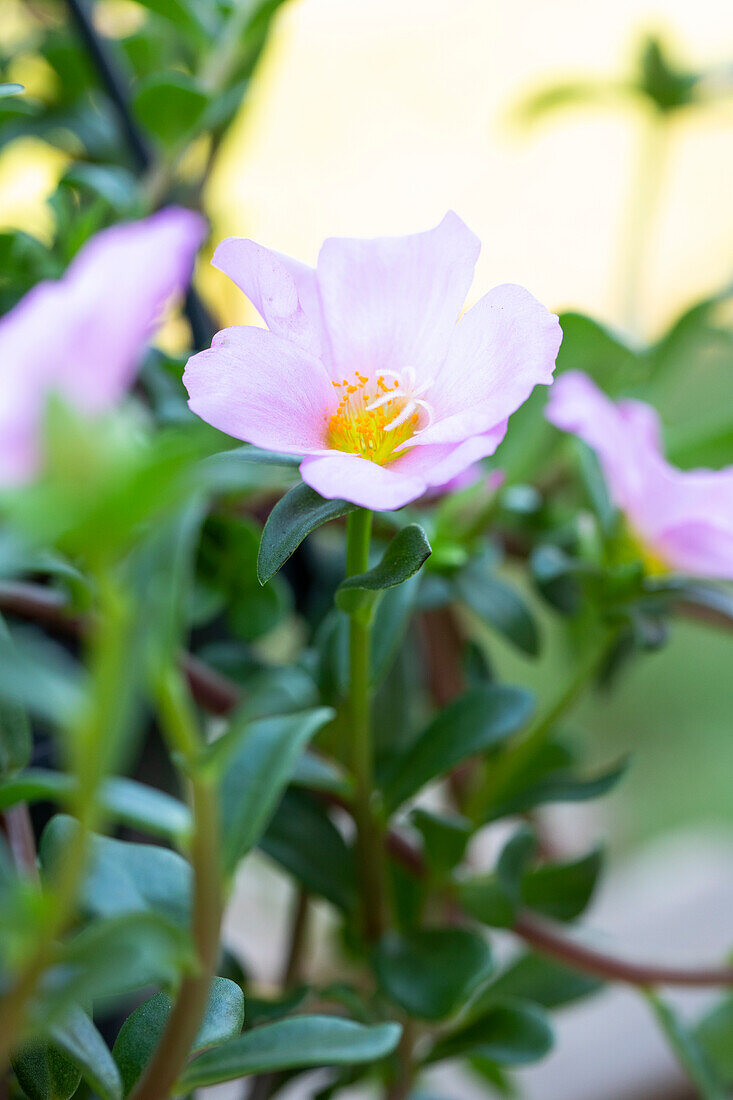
[501, 349]
[392, 302]
[83, 335]
[283, 291]
[577, 405]
[262, 388]
[698, 548]
[341, 476]
[348, 477]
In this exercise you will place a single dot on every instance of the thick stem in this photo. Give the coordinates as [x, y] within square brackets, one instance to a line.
[369, 842]
[92, 744]
[21, 839]
[170, 1055]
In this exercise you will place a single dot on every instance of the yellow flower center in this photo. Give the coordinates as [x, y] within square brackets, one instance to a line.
[374, 419]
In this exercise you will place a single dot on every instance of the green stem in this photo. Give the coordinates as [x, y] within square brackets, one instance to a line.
[92, 744]
[180, 727]
[512, 763]
[369, 843]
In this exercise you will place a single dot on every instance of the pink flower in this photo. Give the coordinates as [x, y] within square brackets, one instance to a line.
[364, 370]
[82, 336]
[683, 518]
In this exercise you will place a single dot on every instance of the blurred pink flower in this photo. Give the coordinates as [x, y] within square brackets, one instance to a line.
[683, 518]
[364, 369]
[82, 336]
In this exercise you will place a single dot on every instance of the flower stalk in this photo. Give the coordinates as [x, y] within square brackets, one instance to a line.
[369, 842]
[181, 730]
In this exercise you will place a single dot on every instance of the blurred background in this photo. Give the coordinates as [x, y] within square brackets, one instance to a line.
[368, 117]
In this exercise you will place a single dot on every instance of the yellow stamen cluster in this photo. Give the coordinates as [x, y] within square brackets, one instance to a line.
[358, 429]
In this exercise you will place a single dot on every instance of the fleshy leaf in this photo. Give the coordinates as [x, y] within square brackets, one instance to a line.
[405, 556]
[479, 720]
[299, 1042]
[295, 516]
[432, 972]
[141, 1031]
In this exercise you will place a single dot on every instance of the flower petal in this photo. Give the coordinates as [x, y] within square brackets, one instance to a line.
[82, 336]
[257, 386]
[283, 291]
[701, 548]
[338, 475]
[384, 488]
[392, 303]
[501, 349]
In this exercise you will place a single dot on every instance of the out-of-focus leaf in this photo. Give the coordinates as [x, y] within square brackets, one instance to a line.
[38, 674]
[256, 773]
[714, 1033]
[405, 556]
[479, 720]
[10, 89]
[562, 890]
[45, 1073]
[112, 957]
[494, 898]
[543, 981]
[691, 1055]
[432, 972]
[123, 877]
[141, 1032]
[296, 1043]
[117, 186]
[295, 516]
[125, 800]
[445, 837]
[511, 1032]
[572, 93]
[315, 773]
[80, 1041]
[170, 106]
[302, 838]
[498, 605]
[15, 731]
[557, 785]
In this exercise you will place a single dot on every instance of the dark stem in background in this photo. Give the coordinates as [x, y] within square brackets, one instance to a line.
[112, 78]
[214, 692]
[21, 839]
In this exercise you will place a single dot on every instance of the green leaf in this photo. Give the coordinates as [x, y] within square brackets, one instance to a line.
[479, 720]
[432, 972]
[123, 877]
[114, 957]
[170, 106]
[688, 1051]
[493, 899]
[80, 1041]
[302, 838]
[714, 1033]
[511, 1032]
[125, 800]
[542, 980]
[562, 890]
[300, 1042]
[16, 742]
[445, 837]
[556, 785]
[295, 516]
[315, 773]
[498, 605]
[405, 555]
[256, 775]
[141, 1031]
[44, 1072]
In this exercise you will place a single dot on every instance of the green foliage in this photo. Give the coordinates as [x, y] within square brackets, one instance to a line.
[170, 106]
[689, 1051]
[478, 721]
[431, 973]
[258, 760]
[298, 1042]
[405, 555]
[498, 605]
[509, 1032]
[293, 518]
[714, 1034]
[141, 1032]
